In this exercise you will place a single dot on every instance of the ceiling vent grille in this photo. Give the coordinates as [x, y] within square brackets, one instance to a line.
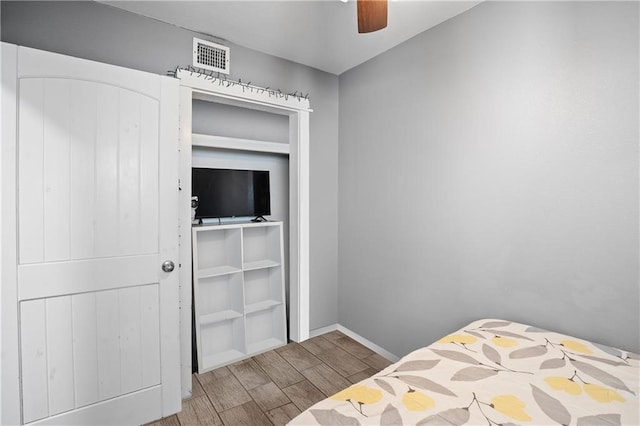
[210, 56]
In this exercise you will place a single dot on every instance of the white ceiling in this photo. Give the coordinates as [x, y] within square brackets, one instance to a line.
[320, 34]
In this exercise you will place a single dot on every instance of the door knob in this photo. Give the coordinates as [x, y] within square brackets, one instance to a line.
[168, 266]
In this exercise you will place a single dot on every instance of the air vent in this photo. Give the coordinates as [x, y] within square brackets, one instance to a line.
[210, 56]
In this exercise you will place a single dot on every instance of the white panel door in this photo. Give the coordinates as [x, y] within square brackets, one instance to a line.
[97, 216]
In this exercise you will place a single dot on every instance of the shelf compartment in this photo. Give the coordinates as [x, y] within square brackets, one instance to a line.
[211, 362]
[219, 316]
[219, 296]
[261, 285]
[261, 306]
[219, 251]
[218, 270]
[265, 329]
[260, 264]
[221, 342]
[261, 246]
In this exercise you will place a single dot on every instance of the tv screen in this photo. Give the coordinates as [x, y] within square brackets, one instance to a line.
[231, 193]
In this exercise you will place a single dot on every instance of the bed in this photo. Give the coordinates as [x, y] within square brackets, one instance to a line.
[493, 372]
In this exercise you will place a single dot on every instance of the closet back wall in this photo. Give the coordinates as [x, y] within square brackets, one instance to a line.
[212, 118]
[103, 33]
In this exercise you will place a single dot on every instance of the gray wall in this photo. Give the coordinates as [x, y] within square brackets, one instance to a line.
[106, 34]
[489, 168]
[212, 118]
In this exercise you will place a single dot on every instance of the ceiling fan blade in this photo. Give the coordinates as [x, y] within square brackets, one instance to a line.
[372, 15]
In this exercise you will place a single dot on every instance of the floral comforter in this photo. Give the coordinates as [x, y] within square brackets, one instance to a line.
[494, 372]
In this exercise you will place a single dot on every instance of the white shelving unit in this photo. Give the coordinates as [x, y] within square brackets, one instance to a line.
[194, 87]
[238, 288]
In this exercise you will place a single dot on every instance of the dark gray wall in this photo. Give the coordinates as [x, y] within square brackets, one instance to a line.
[106, 34]
[489, 168]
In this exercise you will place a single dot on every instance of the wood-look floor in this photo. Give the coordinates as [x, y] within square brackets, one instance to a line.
[273, 387]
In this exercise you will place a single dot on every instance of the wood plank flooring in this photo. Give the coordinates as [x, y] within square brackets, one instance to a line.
[274, 387]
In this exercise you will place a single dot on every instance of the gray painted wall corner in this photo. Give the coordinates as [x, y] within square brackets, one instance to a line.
[489, 168]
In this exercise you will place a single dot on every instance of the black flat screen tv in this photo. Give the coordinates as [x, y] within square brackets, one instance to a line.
[231, 193]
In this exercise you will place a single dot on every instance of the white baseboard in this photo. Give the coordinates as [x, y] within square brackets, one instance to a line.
[322, 330]
[355, 336]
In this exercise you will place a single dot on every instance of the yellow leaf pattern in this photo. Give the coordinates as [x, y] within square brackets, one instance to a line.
[576, 346]
[359, 393]
[602, 394]
[511, 406]
[564, 384]
[415, 400]
[458, 338]
[504, 342]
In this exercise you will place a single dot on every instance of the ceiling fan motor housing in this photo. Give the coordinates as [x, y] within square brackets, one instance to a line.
[372, 15]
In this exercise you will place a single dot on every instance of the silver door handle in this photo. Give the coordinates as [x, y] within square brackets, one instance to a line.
[168, 266]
